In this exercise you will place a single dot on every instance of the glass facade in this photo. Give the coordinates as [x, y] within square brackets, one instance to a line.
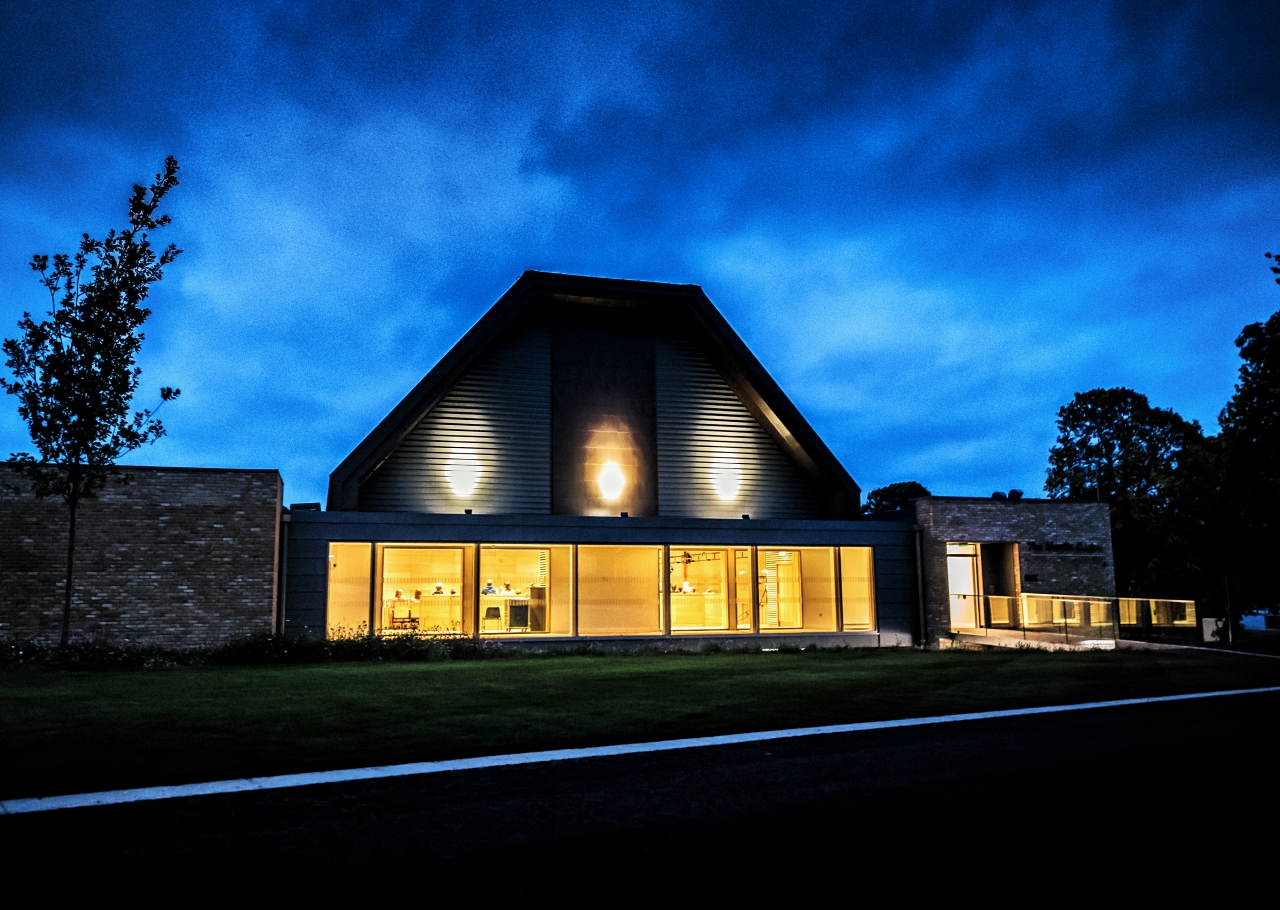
[423, 589]
[350, 568]
[526, 590]
[710, 589]
[619, 590]
[796, 589]
[857, 589]
[561, 590]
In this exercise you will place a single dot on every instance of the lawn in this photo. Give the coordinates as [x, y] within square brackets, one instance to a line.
[70, 731]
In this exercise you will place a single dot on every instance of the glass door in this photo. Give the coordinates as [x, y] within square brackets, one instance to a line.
[962, 584]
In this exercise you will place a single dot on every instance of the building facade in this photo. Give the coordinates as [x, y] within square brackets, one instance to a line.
[595, 461]
[605, 460]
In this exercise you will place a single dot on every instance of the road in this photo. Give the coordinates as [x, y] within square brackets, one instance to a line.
[1161, 783]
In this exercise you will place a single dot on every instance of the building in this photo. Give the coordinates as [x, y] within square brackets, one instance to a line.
[605, 461]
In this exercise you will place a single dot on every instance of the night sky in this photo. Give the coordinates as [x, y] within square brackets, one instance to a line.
[932, 223]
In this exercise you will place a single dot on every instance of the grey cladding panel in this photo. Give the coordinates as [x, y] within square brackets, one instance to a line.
[704, 427]
[497, 419]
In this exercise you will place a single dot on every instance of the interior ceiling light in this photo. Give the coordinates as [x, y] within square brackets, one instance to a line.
[726, 476]
[611, 480]
[463, 471]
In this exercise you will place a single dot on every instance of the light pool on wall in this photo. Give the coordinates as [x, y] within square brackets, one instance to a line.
[462, 471]
[726, 476]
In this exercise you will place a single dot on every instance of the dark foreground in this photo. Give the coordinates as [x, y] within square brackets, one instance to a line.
[1156, 789]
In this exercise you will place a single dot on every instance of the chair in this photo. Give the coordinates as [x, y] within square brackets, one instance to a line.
[402, 615]
[492, 614]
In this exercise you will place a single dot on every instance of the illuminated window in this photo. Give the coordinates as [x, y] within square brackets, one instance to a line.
[348, 607]
[797, 589]
[857, 589]
[710, 589]
[423, 590]
[525, 590]
[742, 588]
[619, 590]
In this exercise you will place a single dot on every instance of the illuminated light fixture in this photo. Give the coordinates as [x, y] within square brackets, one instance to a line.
[463, 471]
[611, 481]
[726, 476]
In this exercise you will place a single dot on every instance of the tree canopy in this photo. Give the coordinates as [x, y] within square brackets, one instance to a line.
[1114, 447]
[1191, 516]
[1112, 444]
[1251, 454]
[893, 497]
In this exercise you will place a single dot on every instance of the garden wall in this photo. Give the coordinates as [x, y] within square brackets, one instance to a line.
[176, 557]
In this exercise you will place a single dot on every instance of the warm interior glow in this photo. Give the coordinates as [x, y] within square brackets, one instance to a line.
[422, 590]
[796, 589]
[463, 471]
[962, 581]
[525, 590]
[726, 476]
[858, 588]
[781, 597]
[619, 590]
[348, 607]
[710, 589]
[611, 481]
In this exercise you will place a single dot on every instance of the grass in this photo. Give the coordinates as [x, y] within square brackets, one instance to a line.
[74, 730]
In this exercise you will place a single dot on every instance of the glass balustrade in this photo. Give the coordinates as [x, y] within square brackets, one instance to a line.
[1146, 611]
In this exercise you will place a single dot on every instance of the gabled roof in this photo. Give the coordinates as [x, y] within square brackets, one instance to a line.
[744, 373]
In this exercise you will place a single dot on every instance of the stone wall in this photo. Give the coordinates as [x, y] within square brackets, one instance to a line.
[1062, 547]
[178, 557]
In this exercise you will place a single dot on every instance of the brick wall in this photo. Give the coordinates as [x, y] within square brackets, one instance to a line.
[179, 557]
[1063, 547]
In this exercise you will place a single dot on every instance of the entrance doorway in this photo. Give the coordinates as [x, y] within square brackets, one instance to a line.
[982, 585]
[962, 585]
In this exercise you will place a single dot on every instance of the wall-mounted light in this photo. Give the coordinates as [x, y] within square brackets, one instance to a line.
[463, 471]
[726, 476]
[611, 480]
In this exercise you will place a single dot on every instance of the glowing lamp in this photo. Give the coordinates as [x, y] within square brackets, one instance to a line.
[463, 471]
[611, 481]
[726, 476]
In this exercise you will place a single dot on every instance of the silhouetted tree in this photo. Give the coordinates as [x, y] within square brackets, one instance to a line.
[1251, 444]
[893, 497]
[74, 373]
[1114, 447]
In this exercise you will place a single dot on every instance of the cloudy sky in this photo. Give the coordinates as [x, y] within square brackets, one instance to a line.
[933, 223]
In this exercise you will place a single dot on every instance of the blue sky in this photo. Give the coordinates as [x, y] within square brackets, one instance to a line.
[933, 223]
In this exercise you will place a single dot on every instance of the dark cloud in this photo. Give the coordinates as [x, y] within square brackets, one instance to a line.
[933, 221]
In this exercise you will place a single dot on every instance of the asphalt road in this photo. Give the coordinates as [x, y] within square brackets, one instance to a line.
[1072, 795]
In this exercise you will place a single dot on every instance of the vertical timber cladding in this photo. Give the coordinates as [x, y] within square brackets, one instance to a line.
[486, 446]
[604, 448]
[715, 460]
